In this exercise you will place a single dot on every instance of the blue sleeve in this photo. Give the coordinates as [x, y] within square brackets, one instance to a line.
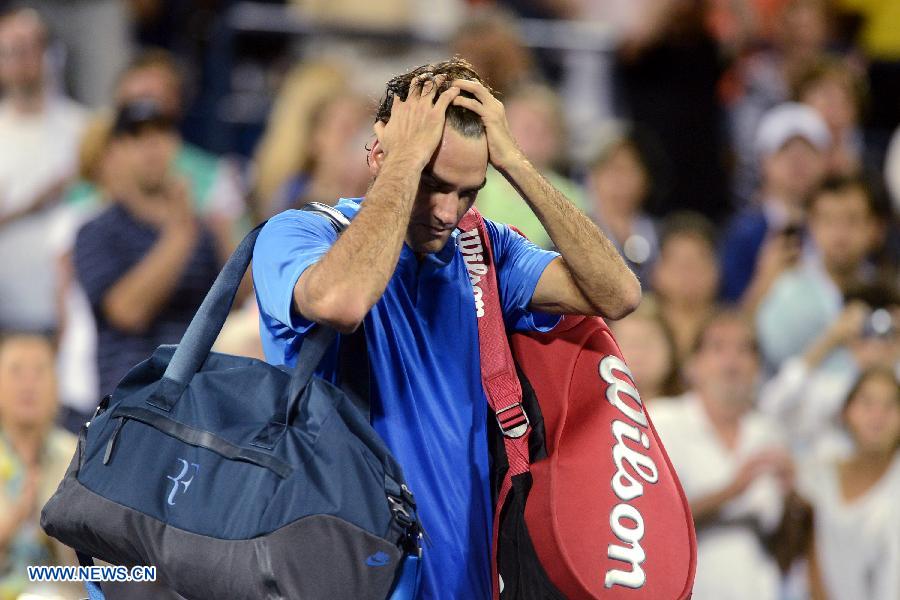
[98, 265]
[289, 243]
[520, 265]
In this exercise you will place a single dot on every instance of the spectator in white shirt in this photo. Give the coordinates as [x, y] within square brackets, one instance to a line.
[39, 135]
[731, 462]
[857, 514]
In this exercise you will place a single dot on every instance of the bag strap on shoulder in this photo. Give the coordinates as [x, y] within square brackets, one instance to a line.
[498, 370]
[338, 220]
[354, 372]
[201, 334]
[204, 328]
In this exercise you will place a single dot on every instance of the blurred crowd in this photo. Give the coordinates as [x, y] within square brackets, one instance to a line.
[743, 156]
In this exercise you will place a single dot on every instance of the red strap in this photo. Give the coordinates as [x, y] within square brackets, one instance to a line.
[498, 371]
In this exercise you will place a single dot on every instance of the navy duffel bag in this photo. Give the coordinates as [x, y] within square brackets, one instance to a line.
[238, 479]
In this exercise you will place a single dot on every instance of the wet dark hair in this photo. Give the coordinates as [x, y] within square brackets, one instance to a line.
[461, 119]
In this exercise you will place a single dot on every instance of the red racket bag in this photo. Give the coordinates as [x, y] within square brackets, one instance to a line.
[588, 505]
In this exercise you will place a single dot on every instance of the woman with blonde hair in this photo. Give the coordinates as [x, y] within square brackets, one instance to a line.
[286, 143]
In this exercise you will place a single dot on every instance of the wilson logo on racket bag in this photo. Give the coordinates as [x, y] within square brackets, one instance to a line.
[625, 486]
[472, 251]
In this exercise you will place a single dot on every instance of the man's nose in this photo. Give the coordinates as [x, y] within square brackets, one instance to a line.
[445, 208]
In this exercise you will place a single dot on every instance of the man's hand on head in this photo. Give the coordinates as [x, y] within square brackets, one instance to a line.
[417, 123]
[502, 148]
[590, 278]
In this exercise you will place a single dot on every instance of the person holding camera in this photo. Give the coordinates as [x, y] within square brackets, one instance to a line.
[761, 241]
[826, 320]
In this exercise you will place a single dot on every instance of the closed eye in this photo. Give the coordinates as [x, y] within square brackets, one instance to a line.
[433, 184]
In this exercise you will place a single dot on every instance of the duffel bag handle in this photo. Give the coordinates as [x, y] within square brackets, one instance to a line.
[204, 328]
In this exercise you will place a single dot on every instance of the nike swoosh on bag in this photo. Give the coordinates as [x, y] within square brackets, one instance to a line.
[379, 559]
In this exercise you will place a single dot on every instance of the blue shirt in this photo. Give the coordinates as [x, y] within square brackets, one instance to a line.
[739, 250]
[428, 403]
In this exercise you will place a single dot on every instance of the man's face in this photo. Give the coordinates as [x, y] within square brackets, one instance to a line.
[795, 169]
[27, 382]
[725, 368]
[447, 189]
[842, 228]
[21, 53]
[147, 156]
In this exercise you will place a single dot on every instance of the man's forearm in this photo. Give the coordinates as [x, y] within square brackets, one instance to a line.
[605, 281]
[342, 287]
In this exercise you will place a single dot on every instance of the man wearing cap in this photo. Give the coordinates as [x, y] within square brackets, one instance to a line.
[146, 262]
[791, 142]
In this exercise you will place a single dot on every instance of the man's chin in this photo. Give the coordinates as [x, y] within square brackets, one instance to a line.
[429, 246]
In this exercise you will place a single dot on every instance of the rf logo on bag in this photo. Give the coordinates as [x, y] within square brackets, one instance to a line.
[194, 468]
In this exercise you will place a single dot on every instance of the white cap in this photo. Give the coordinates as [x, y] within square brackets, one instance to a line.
[787, 121]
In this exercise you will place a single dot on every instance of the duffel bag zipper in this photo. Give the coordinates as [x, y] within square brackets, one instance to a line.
[195, 437]
[112, 440]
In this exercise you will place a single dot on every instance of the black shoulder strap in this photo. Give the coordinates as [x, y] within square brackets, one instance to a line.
[337, 218]
[354, 372]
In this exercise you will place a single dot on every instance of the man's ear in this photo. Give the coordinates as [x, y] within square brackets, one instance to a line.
[376, 153]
